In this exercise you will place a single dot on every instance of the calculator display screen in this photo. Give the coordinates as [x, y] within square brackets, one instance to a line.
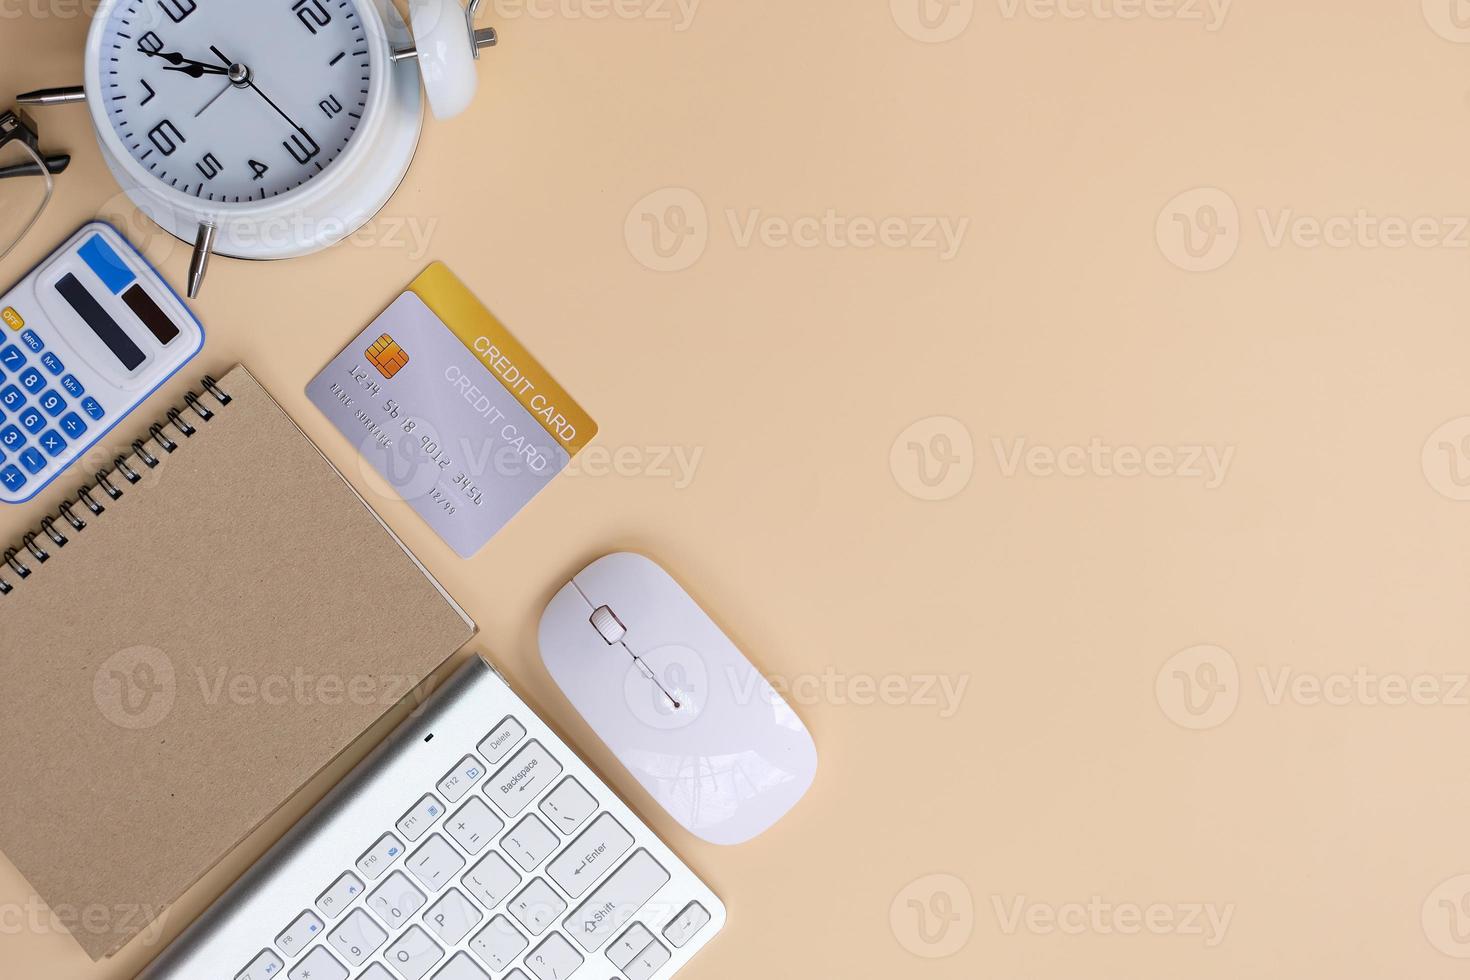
[101, 322]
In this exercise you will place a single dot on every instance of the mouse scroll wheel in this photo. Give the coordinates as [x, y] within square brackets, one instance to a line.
[608, 624]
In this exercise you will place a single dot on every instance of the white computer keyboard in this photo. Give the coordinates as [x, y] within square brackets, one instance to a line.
[474, 844]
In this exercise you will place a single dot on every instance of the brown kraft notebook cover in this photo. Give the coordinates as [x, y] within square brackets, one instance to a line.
[195, 654]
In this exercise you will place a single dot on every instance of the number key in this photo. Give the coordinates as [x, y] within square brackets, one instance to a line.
[53, 403]
[12, 358]
[33, 420]
[12, 438]
[12, 398]
[358, 937]
[32, 380]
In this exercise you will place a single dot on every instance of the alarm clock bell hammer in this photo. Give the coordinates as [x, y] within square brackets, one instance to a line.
[243, 221]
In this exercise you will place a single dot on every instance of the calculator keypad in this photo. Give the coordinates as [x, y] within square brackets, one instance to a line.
[38, 423]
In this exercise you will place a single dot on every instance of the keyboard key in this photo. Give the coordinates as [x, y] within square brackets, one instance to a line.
[537, 907]
[377, 972]
[33, 461]
[12, 478]
[52, 403]
[12, 438]
[616, 900]
[531, 770]
[501, 740]
[12, 358]
[72, 386]
[499, 943]
[53, 443]
[629, 945]
[530, 842]
[72, 424]
[32, 380]
[32, 340]
[299, 934]
[396, 899]
[318, 965]
[435, 863]
[94, 411]
[646, 963]
[267, 964]
[461, 779]
[474, 825]
[52, 363]
[358, 937]
[413, 954]
[32, 420]
[568, 805]
[462, 967]
[554, 959]
[425, 813]
[492, 880]
[452, 917]
[380, 856]
[344, 892]
[688, 922]
[590, 856]
[515, 975]
[12, 398]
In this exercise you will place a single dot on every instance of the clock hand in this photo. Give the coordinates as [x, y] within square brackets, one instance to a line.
[215, 99]
[251, 83]
[180, 63]
[197, 69]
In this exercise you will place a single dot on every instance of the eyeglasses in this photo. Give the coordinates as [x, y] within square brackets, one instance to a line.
[25, 178]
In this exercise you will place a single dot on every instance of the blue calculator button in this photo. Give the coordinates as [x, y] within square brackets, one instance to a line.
[33, 461]
[90, 406]
[52, 363]
[53, 403]
[13, 478]
[72, 424]
[12, 438]
[12, 398]
[72, 385]
[31, 340]
[53, 443]
[33, 420]
[11, 357]
[31, 380]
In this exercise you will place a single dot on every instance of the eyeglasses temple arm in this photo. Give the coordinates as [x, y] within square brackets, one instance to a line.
[56, 163]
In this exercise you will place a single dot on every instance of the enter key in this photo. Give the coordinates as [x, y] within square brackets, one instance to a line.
[589, 857]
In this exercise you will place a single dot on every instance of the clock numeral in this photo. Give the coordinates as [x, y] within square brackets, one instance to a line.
[312, 14]
[177, 10]
[150, 43]
[151, 93]
[166, 137]
[259, 169]
[301, 146]
[331, 105]
[210, 166]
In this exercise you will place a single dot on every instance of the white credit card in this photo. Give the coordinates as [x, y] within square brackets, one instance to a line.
[452, 411]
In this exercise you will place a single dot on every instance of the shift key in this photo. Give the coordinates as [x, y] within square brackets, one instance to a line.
[616, 901]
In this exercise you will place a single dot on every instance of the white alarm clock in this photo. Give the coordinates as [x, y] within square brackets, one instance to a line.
[268, 129]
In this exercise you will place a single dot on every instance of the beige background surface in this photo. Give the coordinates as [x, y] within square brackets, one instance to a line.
[1237, 231]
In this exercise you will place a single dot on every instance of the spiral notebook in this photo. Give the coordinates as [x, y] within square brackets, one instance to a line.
[185, 644]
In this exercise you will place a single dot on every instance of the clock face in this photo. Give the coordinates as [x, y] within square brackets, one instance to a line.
[235, 100]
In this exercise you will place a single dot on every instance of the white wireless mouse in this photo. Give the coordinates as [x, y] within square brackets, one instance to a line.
[675, 700]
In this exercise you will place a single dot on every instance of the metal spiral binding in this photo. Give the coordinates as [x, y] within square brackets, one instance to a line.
[20, 561]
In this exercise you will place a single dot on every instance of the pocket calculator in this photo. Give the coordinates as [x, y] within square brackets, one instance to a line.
[84, 339]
